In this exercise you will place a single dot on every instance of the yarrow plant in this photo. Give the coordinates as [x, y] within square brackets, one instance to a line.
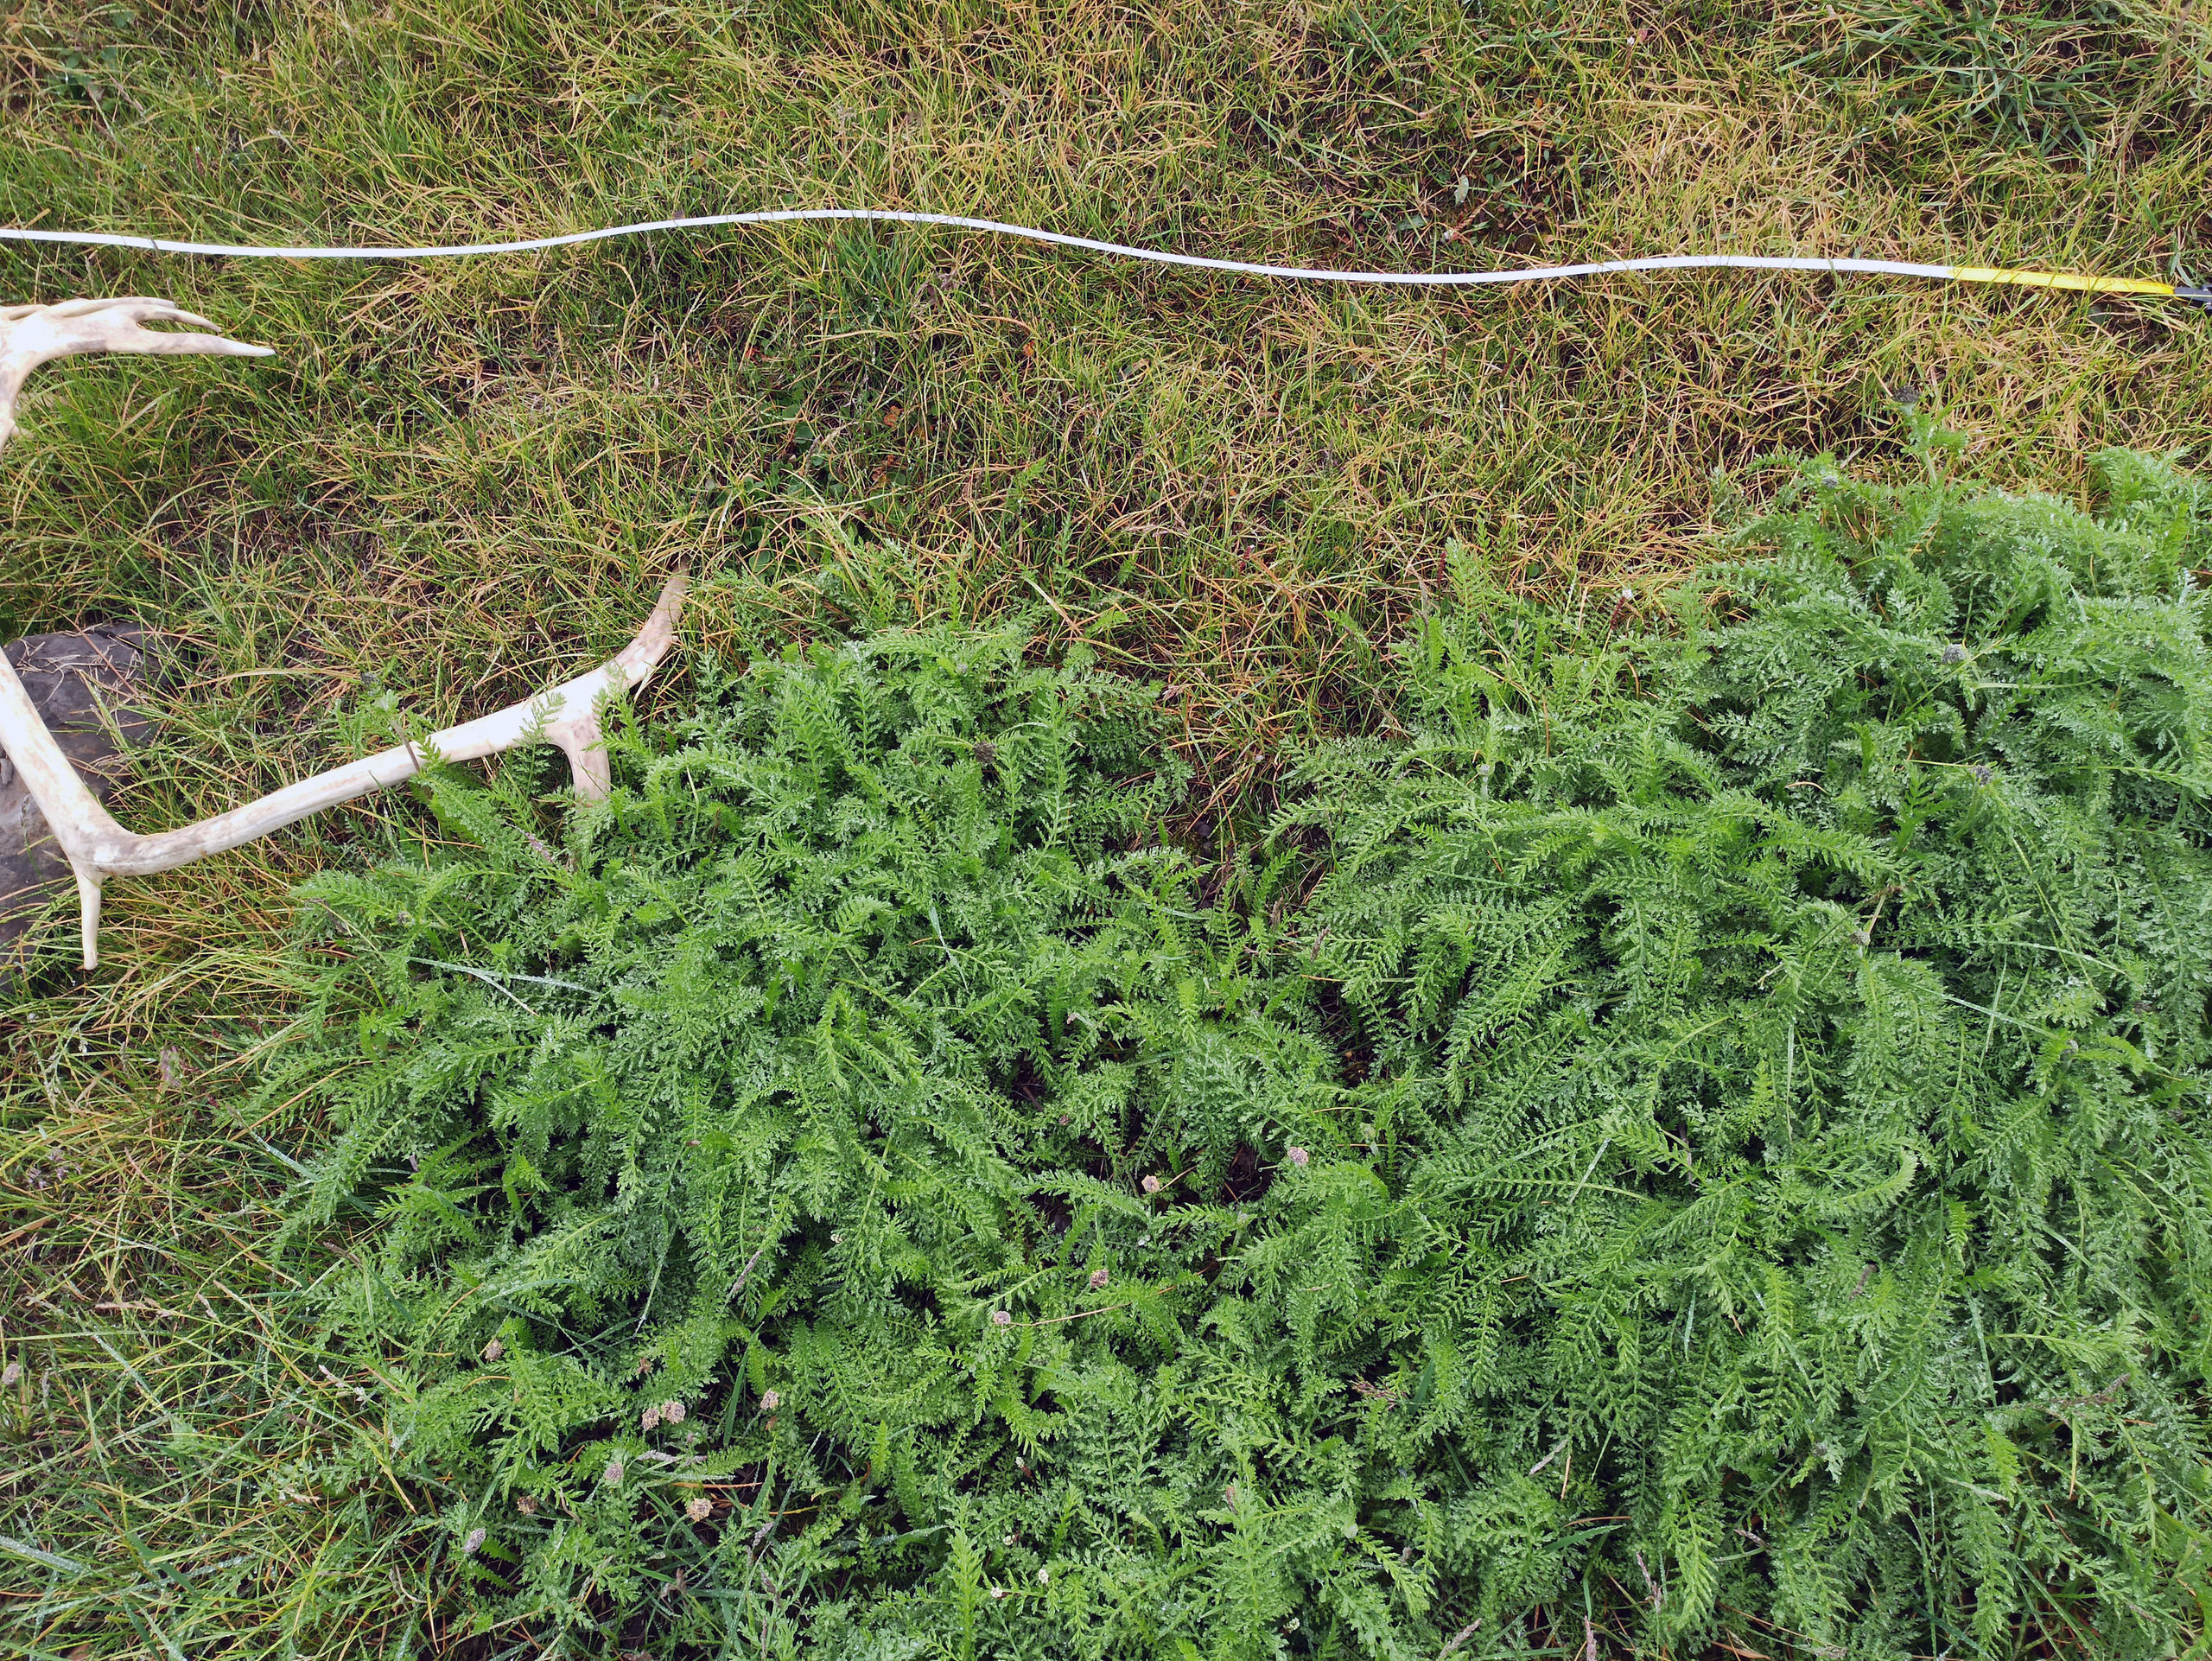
[1707, 1131]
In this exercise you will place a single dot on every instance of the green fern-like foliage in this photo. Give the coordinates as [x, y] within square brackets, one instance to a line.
[1705, 1137]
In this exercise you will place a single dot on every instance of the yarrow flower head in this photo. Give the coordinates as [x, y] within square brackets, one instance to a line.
[613, 1474]
[671, 1413]
[649, 1418]
[1001, 1318]
[770, 1400]
[1099, 1278]
[1150, 1185]
[473, 1543]
[700, 1509]
[495, 1350]
[1296, 1156]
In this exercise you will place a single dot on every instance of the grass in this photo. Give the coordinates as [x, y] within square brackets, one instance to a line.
[460, 481]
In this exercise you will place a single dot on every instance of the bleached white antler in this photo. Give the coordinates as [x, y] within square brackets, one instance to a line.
[97, 847]
[31, 335]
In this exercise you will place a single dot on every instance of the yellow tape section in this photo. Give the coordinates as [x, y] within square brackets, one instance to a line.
[2062, 280]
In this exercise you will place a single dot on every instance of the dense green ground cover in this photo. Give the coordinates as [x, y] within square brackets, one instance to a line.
[859, 1188]
[458, 482]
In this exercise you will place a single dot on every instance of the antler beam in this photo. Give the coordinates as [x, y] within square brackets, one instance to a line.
[97, 846]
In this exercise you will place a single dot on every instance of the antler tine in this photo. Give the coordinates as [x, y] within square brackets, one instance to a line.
[578, 735]
[97, 846]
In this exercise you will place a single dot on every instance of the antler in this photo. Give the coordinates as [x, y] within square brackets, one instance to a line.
[99, 848]
[31, 335]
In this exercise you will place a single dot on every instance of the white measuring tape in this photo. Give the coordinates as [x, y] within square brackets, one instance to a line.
[1158, 257]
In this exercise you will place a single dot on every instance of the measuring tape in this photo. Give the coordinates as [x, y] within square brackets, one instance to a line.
[2071, 280]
